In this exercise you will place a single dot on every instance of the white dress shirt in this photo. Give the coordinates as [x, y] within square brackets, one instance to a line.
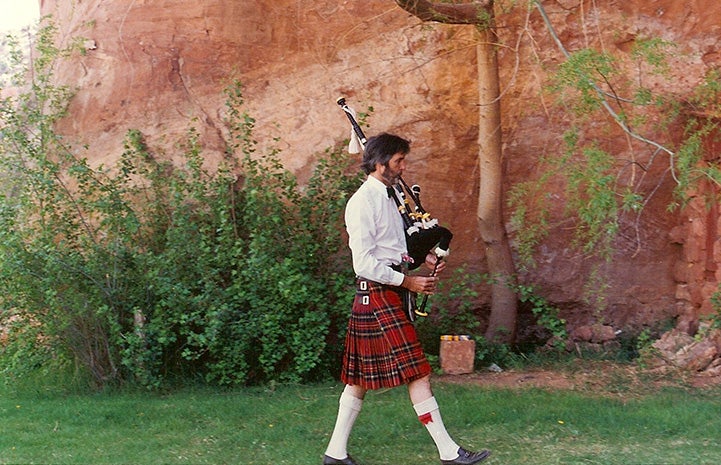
[376, 236]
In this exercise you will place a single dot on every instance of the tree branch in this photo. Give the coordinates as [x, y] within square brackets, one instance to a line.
[474, 12]
[602, 95]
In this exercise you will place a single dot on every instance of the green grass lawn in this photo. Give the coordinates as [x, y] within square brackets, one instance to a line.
[292, 424]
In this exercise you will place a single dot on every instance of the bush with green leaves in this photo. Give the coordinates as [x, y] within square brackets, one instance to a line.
[151, 273]
[454, 311]
[715, 317]
[625, 146]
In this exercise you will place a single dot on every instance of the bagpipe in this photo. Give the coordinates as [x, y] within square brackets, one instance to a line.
[423, 233]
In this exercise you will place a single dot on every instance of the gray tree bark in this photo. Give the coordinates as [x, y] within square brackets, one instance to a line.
[504, 304]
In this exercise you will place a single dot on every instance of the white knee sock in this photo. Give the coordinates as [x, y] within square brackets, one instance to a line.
[430, 415]
[348, 409]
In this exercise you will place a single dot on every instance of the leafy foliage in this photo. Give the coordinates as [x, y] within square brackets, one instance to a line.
[603, 189]
[150, 272]
[529, 217]
[716, 305]
[454, 312]
[452, 309]
[577, 76]
[697, 159]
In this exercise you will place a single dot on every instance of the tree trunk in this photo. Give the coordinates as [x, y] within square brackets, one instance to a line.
[504, 305]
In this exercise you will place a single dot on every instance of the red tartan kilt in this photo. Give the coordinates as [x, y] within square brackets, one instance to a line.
[381, 346]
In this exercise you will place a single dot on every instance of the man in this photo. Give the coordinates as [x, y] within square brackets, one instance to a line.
[382, 348]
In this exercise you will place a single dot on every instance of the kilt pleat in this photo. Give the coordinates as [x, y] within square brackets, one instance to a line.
[381, 347]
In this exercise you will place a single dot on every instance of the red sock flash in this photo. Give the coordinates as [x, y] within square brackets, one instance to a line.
[426, 418]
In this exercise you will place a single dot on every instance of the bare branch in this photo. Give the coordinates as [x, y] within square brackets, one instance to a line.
[604, 102]
[474, 12]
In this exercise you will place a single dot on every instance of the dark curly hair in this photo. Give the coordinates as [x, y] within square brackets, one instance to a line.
[381, 148]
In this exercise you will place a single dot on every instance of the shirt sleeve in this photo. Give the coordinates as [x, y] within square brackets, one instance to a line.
[361, 227]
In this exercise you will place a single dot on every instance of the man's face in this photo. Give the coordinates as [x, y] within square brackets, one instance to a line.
[391, 172]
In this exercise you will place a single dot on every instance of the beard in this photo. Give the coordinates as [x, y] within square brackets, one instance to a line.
[391, 177]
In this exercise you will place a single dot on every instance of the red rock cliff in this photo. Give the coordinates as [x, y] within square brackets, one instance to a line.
[154, 65]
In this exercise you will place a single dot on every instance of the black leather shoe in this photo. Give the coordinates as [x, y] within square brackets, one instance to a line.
[466, 457]
[346, 461]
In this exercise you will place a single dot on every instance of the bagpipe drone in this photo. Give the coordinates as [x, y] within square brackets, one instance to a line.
[423, 233]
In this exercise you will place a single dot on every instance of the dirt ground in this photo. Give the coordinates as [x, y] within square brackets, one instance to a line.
[598, 377]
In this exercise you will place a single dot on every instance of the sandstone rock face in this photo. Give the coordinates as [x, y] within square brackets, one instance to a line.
[680, 350]
[156, 65]
[596, 333]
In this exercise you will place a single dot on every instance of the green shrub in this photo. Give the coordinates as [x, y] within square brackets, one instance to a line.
[452, 310]
[455, 310]
[149, 273]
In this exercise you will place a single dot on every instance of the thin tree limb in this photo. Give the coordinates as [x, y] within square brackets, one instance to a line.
[475, 12]
[602, 94]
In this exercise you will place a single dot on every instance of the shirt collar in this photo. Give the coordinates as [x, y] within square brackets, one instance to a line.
[377, 185]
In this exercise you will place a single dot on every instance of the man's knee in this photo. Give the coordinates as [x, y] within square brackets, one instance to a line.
[426, 380]
[420, 389]
[355, 391]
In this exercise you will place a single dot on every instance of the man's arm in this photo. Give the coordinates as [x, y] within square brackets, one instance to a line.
[361, 227]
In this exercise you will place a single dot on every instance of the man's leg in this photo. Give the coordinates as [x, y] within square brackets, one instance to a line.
[429, 414]
[349, 406]
[426, 407]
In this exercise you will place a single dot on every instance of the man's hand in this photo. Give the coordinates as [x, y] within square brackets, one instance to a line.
[420, 284]
[431, 260]
[425, 284]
